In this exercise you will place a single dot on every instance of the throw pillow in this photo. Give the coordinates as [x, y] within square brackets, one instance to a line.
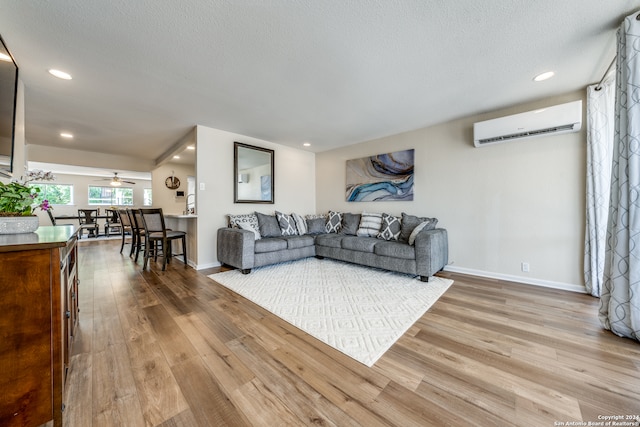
[370, 224]
[390, 229]
[287, 224]
[422, 226]
[334, 221]
[316, 226]
[301, 224]
[248, 227]
[268, 225]
[350, 224]
[251, 219]
[409, 222]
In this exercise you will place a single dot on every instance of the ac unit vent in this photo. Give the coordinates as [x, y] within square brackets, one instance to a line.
[558, 119]
[505, 138]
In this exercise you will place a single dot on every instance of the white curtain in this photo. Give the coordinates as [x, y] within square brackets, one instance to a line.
[600, 120]
[620, 299]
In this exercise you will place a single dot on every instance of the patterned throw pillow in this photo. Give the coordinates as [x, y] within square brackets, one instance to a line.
[370, 224]
[390, 229]
[287, 224]
[334, 221]
[250, 219]
[301, 224]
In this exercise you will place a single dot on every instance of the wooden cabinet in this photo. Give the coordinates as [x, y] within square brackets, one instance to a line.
[38, 316]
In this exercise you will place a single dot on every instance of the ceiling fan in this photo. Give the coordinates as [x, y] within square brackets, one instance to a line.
[116, 181]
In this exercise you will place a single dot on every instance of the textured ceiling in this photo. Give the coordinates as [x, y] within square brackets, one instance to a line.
[332, 72]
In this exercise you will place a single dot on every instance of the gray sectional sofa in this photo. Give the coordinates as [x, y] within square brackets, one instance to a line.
[405, 244]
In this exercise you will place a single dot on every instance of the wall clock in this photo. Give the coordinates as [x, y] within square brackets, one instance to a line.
[172, 182]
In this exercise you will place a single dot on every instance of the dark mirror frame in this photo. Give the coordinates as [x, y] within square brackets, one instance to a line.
[12, 79]
[236, 147]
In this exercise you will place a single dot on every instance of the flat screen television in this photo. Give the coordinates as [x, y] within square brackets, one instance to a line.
[8, 92]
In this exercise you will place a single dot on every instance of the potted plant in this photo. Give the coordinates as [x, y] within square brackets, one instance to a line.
[18, 202]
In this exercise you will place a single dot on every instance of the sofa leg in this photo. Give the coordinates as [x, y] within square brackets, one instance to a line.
[424, 278]
[246, 270]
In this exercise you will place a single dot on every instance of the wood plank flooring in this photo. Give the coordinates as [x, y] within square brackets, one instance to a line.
[174, 348]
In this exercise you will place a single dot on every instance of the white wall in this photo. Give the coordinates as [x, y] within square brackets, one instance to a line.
[294, 177]
[165, 198]
[504, 204]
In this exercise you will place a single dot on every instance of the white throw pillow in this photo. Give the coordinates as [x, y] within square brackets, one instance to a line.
[370, 224]
[248, 227]
[418, 229]
[301, 223]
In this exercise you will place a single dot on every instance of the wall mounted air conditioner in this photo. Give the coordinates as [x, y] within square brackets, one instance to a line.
[554, 120]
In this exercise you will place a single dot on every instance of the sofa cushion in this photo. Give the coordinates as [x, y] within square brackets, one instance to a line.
[395, 250]
[360, 244]
[316, 225]
[390, 229]
[270, 245]
[295, 242]
[269, 226]
[409, 222]
[369, 224]
[329, 240]
[350, 223]
[287, 224]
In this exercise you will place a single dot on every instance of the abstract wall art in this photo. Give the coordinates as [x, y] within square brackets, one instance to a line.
[383, 177]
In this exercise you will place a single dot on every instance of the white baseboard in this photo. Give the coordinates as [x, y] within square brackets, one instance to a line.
[209, 265]
[519, 279]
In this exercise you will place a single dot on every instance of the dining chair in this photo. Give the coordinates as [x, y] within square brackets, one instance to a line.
[51, 217]
[88, 221]
[126, 227]
[159, 238]
[138, 231]
[113, 223]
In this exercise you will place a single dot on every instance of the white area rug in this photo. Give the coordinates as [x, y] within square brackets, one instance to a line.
[359, 311]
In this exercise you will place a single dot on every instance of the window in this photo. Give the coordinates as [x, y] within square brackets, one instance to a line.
[110, 196]
[147, 197]
[56, 194]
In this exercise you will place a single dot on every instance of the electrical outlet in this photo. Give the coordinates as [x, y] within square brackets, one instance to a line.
[202, 186]
[525, 267]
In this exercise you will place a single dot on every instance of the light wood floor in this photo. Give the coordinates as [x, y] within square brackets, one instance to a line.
[176, 349]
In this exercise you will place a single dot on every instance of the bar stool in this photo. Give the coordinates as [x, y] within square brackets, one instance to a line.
[138, 232]
[159, 238]
[126, 227]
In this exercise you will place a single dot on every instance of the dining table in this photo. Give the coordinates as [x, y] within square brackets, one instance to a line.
[77, 218]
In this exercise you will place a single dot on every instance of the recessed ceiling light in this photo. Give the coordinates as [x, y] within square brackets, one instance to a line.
[191, 147]
[176, 157]
[5, 57]
[307, 144]
[66, 135]
[60, 74]
[543, 76]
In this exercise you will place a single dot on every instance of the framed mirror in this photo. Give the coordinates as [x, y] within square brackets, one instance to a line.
[253, 174]
[8, 92]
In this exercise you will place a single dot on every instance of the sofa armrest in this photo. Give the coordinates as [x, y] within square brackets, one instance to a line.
[432, 251]
[236, 247]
